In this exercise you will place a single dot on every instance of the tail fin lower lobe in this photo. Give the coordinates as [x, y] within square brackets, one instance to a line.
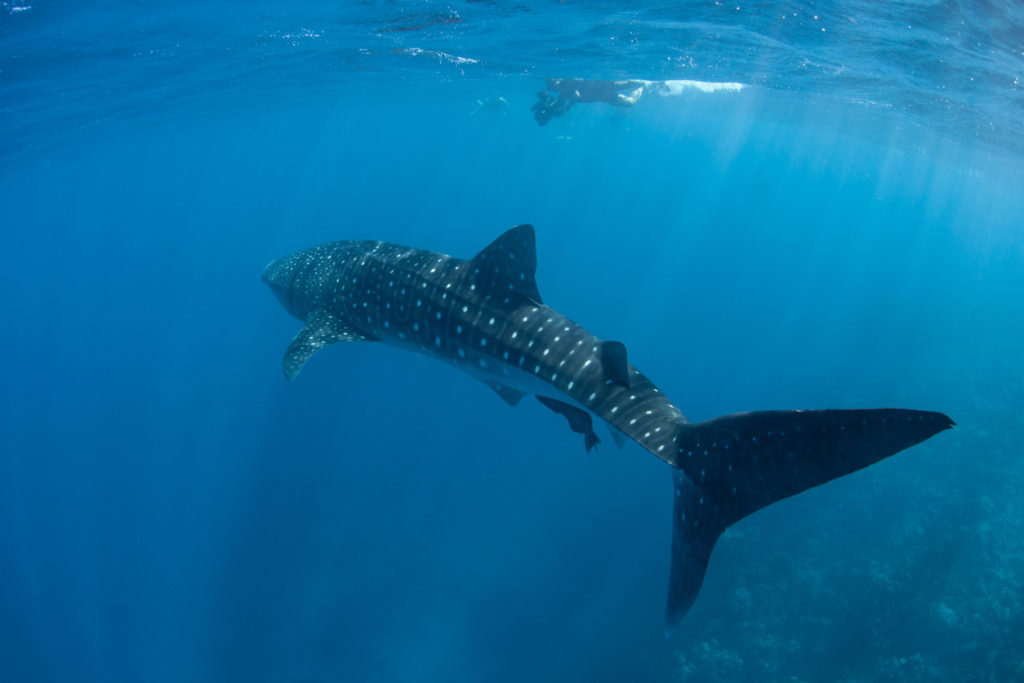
[734, 465]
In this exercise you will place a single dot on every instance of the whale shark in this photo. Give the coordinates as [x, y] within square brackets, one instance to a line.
[485, 316]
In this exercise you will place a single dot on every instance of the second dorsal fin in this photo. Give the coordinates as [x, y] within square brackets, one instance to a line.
[614, 363]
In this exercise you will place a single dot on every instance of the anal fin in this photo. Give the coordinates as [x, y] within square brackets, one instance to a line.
[579, 420]
[618, 437]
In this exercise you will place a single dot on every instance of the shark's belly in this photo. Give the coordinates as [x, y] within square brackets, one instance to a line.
[494, 371]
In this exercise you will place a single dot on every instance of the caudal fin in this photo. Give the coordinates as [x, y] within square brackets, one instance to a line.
[734, 465]
[696, 526]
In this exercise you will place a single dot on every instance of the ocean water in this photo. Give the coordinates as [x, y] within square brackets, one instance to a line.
[843, 231]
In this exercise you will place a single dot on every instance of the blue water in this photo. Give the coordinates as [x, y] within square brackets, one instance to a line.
[843, 232]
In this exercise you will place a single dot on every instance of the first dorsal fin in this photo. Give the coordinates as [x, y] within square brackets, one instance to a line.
[507, 266]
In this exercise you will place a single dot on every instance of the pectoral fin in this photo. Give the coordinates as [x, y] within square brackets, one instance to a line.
[321, 330]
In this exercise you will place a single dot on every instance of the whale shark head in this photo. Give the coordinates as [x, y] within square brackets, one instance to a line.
[280, 276]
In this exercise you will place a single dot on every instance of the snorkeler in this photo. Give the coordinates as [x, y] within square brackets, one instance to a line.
[493, 104]
[562, 93]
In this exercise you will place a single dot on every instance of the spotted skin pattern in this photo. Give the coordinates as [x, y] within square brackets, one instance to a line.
[432, 303]
[485, 316]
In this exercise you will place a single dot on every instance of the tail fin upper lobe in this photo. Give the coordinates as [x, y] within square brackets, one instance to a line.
[734, 465]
